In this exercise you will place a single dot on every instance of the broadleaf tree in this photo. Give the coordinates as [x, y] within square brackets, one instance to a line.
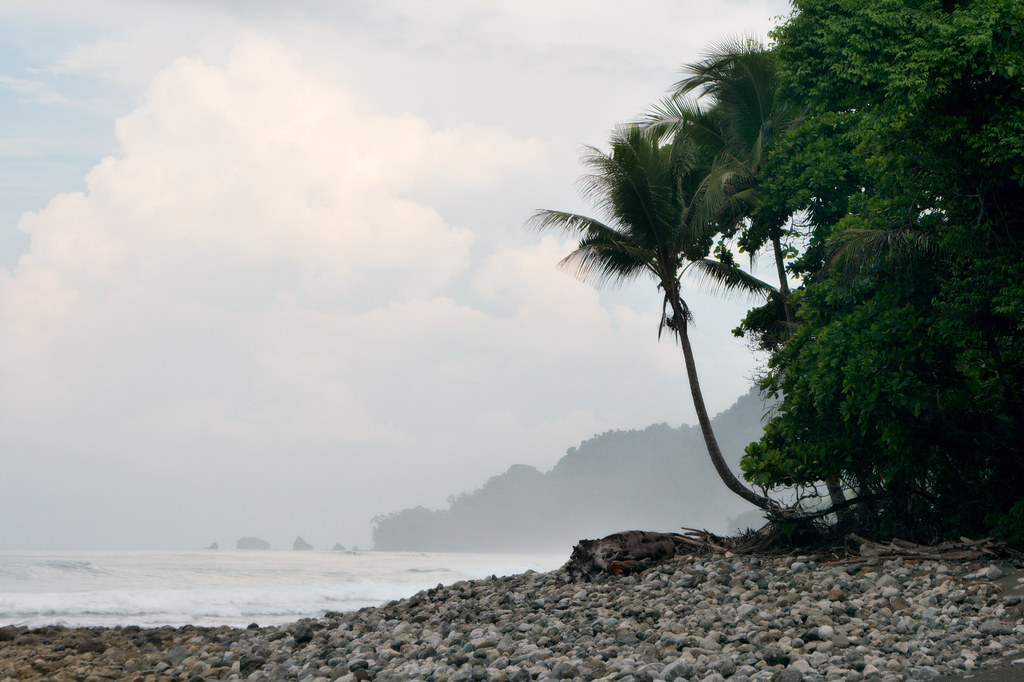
[905, 375]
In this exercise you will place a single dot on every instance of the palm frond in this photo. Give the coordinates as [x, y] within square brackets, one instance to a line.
[599, 262]
[731, 190]
[678, 119]
[634, 185]
[725, 278]
[604, 254]
[856, 247]
[570, 224]
[671, 115]
[719, 65]
[740, 77]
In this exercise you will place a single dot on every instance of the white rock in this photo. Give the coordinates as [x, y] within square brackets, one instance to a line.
[990, 573]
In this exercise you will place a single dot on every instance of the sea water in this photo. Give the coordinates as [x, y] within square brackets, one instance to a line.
[224, 587]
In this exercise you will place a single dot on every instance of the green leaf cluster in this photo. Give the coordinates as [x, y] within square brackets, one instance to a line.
[904, 375]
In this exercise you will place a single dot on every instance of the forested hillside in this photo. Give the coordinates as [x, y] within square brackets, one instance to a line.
[875, 153]
[655, 479]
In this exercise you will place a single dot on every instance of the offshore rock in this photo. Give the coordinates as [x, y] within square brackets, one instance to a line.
[301, 545]
[252, 543]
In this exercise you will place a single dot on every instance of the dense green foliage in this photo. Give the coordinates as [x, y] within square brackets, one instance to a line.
[904, 375]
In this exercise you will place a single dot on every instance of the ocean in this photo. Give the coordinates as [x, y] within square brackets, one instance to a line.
[225, 587]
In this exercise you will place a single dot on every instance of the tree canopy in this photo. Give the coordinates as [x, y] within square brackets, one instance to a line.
[878, 148]
[905, 375]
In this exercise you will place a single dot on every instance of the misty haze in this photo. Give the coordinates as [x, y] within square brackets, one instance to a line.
[264, 273]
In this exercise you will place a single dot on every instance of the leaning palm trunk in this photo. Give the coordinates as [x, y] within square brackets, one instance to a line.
[728, 478]
[655, 197]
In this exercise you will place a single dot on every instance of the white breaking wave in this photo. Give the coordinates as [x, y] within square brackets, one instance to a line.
[224, 587]
[239, 606]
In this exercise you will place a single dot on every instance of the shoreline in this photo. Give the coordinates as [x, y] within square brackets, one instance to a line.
[741, 618]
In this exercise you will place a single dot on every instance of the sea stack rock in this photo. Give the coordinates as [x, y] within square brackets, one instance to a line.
[301, 545]
[338, 547]
[252, 543]
[213, 545]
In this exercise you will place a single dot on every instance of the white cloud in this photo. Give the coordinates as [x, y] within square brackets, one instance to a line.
[244, 193]
[300, 286]
[249, 277]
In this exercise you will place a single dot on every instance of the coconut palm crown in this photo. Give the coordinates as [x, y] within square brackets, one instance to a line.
[737, 118]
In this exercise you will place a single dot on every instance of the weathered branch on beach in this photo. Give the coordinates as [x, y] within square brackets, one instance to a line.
[701, 540]
[966, 548]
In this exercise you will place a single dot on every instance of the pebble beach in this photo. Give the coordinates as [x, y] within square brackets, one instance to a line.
[709, 618]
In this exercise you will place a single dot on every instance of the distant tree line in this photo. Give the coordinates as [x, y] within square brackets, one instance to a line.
[876, 152]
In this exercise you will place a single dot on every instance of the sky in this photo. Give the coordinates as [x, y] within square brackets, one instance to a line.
[264, 270]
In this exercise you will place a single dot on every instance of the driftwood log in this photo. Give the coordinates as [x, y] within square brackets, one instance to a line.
[896, 548]
[633, 551]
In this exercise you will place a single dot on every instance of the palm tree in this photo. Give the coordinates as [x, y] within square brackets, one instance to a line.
[740, 78]
[653, 197]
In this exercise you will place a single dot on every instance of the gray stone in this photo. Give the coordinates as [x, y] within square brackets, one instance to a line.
[994, 627]
[886, 581]
[519, 675]
[774, 655]
[677, 670]
[788, 675]
[248, 663]
[302, 633]
[725, 666]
